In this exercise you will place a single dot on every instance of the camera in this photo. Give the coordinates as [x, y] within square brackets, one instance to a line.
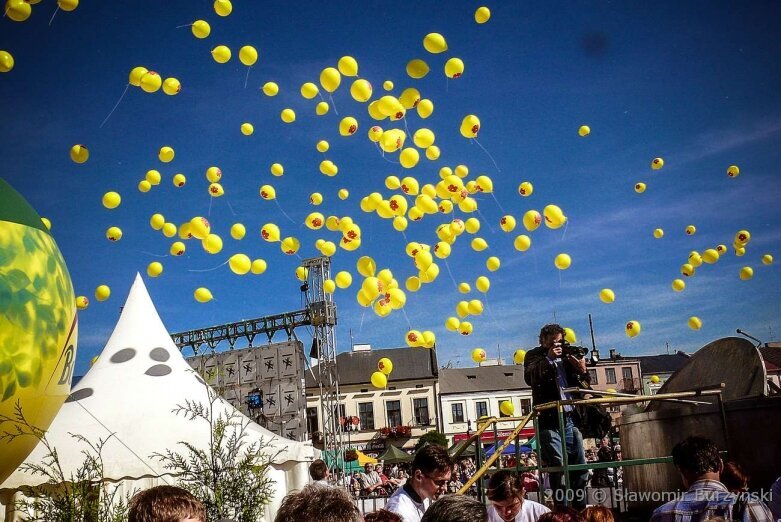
[577, 352]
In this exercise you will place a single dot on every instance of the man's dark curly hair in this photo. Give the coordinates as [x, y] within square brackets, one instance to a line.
[549, 330]
[697, 455]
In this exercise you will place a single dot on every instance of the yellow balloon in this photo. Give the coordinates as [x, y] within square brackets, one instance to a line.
[679, 285]
[267, 192]
[361, 90]
[432, 152]
[343, 194]
[200, 227]
[240, 263]
[203, 295]
[177, 248]
[221, 54]
[316, 198]
[482, 15]
[38, 326]
[216, 190]
[639, 188]
[329, 168]
[17, 10]
[525, 189]
[507, 223]
[519, 356]
[114, 234]
[277, 169]
[153, 177]
[330, 79]
[166, 154]
[309, 90]
[344, 279]
[79, 153]
[248, 55]
[452, 324]
[687, 269]
[606, 295]
[387, 85]
[413, 283]
[632, 328]
[111, 200]
[379, 380]
[733, 171]
[658, 233]
[322, 108]
[562, 261]
[417, 69]
[172, 86]
[201, 29]
[584, 130]
[270, 232]
[569, 335]
[695, 323]
[435, 43]
[767, 259]
[154, 269]
[136, 73]
[746, 273]
[247, 129]
[507, 408]
[454, 68]
[479, 355]
[554, 217]
[348, 126]
[409, 157]
[102, 292]
[258, 266]
[348, 66]
[329, 287]
[385, 365]
[742, 237]
[302, 273]
[67, 5]
[212, 244]
[82, 302]
[522, 243]
[470, 126]
[270, 89]
[238, 231]
[6, 61]
[144, 186]
[483, 284]
[710, 256]
[169, 229]
[157, 221]
[223, 7]
[290, 245]
[657, 163]
[493, 263]
[425, 108]
[423, 138]
[213, 174]
[288, 115]
[690, 230]
[475, 307]
[655, 379]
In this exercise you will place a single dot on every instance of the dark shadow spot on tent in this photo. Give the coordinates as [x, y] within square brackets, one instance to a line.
[79, 394]
[159, 355]
[158, 370]
[124, 355]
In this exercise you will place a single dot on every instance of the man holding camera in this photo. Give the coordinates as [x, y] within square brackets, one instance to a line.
[550, 369]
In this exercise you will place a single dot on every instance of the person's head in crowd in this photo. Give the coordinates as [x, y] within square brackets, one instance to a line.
[368, 468]
[430, 471]
[382, 515]
[734, 478]
[506, 493]
[697, 458]
[165, 504]
[318, 504]
[596, 514]
[560, 514]
[318, 470]
[456, 508]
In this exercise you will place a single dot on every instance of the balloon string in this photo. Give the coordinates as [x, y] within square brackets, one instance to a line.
[115, 106]
[497, 203]
[566, 224]
[455, 285]
[406, 317]
[283, 212]
[488, 223]
[210, 269]
[488, 154]
[154, 255]
[185, 25]
[211, 199]
[490, 312]
[246, 78]
[55, 14]
[363, 314]
[332, 103]
[230, 207]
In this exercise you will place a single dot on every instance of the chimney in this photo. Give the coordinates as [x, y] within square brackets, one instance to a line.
[612, 353]
[362, 347]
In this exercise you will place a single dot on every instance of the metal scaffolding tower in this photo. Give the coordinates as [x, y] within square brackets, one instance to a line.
[323, 318]
[320, 313]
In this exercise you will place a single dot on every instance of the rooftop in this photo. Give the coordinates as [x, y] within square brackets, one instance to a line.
[357, 367]
[481, 379]
[771, 353]
[651, 364]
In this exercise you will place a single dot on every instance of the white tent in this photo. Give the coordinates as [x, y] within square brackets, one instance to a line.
[131, 392]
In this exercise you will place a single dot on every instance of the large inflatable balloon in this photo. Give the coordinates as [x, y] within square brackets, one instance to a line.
[38, 326]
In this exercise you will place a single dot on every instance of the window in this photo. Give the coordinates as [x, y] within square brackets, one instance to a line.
[458, 412]
[394, 413]
[366, 414]
[593, 373]
[626, 371]
[420, 406]
[499, 406]
[311, 420]
[481, 409]
[526, 406]
[610, 373]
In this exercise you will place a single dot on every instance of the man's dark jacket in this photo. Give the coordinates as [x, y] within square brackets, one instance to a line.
[540, 374]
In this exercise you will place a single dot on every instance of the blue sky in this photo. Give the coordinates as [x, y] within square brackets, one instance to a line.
[696, 83]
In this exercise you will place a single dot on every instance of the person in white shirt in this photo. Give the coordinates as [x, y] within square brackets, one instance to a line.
[506, 494]
[429, 474]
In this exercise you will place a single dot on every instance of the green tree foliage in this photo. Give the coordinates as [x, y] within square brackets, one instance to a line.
[431, 437]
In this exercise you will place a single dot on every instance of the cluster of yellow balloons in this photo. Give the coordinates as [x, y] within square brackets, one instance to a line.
[379, 289]
[379, 379]
[418, 339]
[151, 81]
[248, 55]
[20, 10]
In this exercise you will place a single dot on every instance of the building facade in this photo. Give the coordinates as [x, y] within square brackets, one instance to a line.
[467, 394]
[615, 373]
[373, 419]
[661, 366]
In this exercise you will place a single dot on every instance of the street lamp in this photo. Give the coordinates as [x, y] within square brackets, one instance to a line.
[594, 356]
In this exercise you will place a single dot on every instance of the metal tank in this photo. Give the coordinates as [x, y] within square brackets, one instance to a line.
[746, 422]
